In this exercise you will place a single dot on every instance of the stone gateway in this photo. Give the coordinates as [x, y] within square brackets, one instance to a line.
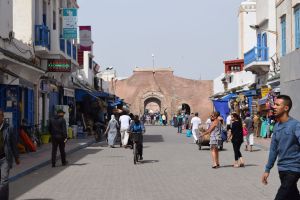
[159, 90]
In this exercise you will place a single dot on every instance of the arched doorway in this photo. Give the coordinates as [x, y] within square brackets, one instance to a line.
[152, 105]
[185, 108]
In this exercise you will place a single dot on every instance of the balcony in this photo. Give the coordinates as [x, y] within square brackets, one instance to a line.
[257, 60]
[74, 52]
[69, 48]
[42, 38]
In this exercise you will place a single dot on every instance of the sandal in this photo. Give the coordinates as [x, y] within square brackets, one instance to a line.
[236, 166]
[242, 165]
[214, 167]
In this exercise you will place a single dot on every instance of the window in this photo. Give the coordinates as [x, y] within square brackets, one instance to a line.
[90, 62]
[297, 27]
[283, 36]
[258, 45]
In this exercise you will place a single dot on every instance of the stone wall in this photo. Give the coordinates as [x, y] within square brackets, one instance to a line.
[172, 91]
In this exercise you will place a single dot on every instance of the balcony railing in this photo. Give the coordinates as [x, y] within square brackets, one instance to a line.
[256, 54]
[62, 44]
[42, 36]
[69, 48]
[74, 52]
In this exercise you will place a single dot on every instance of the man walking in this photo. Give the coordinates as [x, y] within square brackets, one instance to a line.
[124, 121]
[8, 153]
[285, 145]
[195, 122]
[58, 131]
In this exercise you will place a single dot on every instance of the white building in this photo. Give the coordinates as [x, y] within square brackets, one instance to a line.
[19, 70]
[262, 58]
[246, 36]
[288, 29]
[39, 23]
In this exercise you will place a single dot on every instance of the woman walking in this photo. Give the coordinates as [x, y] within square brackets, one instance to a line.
[237, 139]
[214, 131]
[112, 131]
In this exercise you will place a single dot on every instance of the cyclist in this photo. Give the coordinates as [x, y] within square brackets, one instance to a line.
[137, 129]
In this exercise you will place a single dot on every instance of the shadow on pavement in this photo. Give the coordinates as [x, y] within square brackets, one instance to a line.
[26, 183]
[231, 166]
[153, 138]
[148, 161]
[40, 199]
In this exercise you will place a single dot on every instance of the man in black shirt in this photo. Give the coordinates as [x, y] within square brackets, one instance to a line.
[58, 131]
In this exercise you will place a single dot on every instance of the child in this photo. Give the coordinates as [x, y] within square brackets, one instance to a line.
[245, 133]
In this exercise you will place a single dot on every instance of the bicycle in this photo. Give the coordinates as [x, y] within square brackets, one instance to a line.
[135, 139]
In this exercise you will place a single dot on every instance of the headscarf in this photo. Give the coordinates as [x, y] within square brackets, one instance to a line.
[112, 118]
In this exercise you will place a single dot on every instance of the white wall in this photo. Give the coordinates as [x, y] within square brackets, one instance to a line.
[6, 13]
[290, 80]
[23, 20]
[240, 79]
[86, 72]
[218, 85]
[247, 36]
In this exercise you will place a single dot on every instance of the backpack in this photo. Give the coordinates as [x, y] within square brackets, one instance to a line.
[137, 128]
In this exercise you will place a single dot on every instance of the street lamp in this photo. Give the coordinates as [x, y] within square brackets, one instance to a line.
[256, 27]
[153, 63]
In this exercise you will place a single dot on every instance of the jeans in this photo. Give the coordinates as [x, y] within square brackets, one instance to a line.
[4, 172]
[179, 128]
[288, 188]
[61, 144]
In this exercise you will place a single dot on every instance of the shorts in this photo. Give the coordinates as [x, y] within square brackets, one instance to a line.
[249, 139]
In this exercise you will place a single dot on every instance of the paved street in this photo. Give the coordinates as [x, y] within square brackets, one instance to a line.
[173, 169]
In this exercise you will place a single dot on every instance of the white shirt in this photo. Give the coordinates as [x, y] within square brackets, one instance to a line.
[125, 120]
[208, 123]
[196, 121]
[228, 120]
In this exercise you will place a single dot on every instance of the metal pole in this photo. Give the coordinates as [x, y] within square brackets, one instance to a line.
[153, 63]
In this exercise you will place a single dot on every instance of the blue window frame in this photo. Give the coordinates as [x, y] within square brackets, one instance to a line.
[297, 27]
[258, 44]
[283, 35]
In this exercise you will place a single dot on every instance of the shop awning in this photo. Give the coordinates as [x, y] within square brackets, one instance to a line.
[80, 94]
[228, 97]
[115, 103]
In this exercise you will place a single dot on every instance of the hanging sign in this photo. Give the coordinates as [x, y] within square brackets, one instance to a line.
[85, 38]
[59, 65]
[69, 23]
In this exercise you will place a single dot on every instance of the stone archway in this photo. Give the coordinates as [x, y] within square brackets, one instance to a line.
[153, 105]
[184, 108]
[152, 99]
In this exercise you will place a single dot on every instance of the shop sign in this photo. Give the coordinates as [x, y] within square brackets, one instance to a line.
[59, 65]
[85, 38]
[69, 23]
[69, 92]
[265, 92]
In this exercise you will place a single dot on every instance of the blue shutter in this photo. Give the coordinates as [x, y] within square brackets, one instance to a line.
[264, 48]
[258, 45]
[283, 36]
[29, 106]
[297, 27]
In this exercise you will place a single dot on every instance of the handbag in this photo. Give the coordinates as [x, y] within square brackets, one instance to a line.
[188, 133]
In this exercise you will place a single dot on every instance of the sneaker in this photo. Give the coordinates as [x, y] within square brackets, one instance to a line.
[141, 157]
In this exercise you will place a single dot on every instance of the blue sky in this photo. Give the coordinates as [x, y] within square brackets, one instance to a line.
[193, 37]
